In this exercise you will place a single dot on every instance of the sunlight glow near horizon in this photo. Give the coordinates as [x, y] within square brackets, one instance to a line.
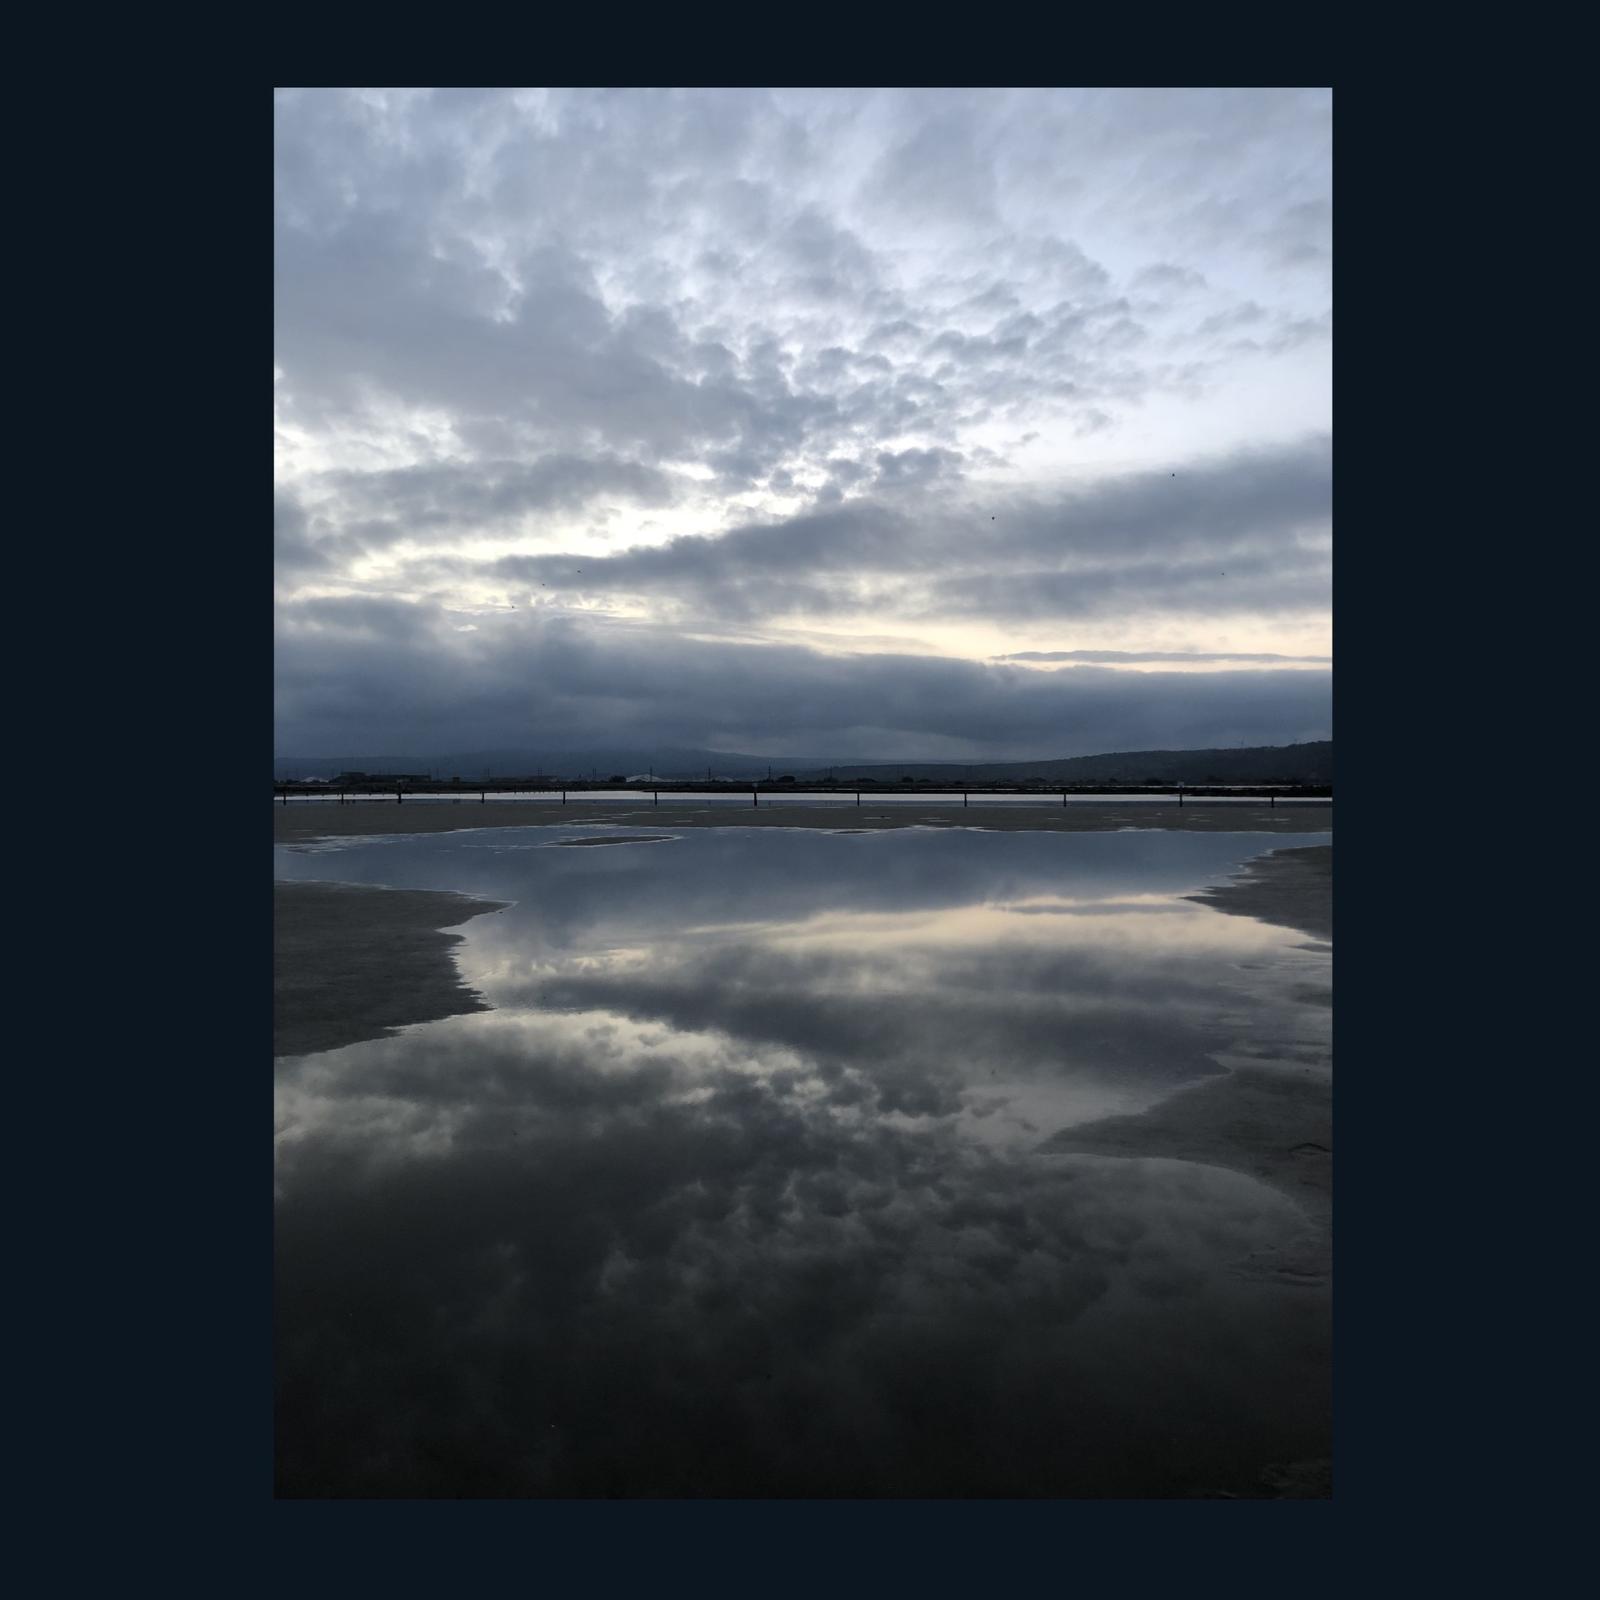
[921, 377]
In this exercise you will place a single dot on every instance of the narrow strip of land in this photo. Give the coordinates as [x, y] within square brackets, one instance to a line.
[1291, 888]
[351, 962]
[324, 820]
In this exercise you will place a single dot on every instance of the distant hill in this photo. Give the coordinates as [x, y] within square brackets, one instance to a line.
[523, 763]
[1310, 763]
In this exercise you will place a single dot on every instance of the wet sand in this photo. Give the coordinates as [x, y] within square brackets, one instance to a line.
[1270, 1118]
[300, 823]
[352, 962]
[616, 838]
[1274, 1122]
[1291, 888]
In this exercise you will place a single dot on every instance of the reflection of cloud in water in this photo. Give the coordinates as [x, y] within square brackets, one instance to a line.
[741, 875]
[759, 1209]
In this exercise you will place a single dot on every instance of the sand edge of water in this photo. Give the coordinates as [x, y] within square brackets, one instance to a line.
[352, 962]
[309, 821]
[1270, 1119]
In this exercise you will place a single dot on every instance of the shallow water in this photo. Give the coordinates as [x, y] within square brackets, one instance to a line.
[740, 1189]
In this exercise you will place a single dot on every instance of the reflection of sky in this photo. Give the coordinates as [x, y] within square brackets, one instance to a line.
[738, 1189]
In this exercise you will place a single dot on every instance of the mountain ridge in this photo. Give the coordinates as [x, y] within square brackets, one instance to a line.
[1308, 762]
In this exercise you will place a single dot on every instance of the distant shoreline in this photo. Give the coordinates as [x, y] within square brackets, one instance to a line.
[300, 824]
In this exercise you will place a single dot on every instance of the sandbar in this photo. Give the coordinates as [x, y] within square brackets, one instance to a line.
[352, 962]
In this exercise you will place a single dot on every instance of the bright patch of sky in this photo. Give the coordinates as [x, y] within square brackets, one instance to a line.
[930, 376]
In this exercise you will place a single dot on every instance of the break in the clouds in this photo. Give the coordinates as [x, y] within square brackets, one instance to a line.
[911, 422]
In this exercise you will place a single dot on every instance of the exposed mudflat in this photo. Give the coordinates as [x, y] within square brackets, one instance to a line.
[616, 838]
[351, 962]
[1272, 1119]
[1292, 888]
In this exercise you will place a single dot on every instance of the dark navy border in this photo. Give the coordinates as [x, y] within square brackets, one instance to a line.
[152, 1397]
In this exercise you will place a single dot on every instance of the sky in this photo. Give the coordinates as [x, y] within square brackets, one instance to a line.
[944, 424]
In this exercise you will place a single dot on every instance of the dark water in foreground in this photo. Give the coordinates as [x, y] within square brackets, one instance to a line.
[741, 1189]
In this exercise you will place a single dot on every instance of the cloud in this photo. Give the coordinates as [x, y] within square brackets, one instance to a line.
[1246, 534]
[442, 503]
[881, 361]
[1129, 657]
[346, 666]
[1162, 277]
[294, 551]
[639, 265]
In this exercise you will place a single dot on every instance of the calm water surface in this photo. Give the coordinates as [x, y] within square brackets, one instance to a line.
[742, 1187]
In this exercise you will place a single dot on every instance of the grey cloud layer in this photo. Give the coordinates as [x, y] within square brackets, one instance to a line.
[764, 275]
[521, 336]
[1194, 657]
[1249, 533]
[347, 666]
